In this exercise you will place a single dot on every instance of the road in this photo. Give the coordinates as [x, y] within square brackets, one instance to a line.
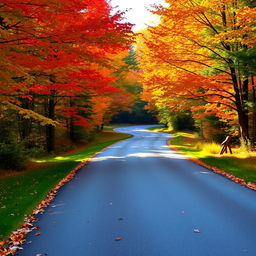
[156, 201]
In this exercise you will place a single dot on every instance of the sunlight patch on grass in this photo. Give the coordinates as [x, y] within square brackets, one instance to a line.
[209, 148]
[159, 129]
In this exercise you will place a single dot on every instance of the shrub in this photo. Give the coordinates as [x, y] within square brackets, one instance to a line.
[12, 156]
[183, 121]
[209, 148]
[35, 152]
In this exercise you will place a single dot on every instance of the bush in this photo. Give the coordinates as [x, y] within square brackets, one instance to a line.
[12, 156]
[183, 121]
[209, 148]
[79, 134]
[35, 152]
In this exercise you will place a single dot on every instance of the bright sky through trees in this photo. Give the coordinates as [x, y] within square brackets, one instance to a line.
[138, 13]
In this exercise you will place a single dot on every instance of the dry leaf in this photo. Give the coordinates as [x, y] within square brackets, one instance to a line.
[2, 243]
[118, 238]
[37, 234]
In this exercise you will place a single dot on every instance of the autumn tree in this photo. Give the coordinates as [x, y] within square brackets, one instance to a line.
[55, 54]
[202, 51]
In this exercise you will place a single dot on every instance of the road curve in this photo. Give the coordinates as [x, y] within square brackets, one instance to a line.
[156, 201]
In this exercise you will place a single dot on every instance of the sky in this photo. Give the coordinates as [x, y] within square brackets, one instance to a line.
[138, 13]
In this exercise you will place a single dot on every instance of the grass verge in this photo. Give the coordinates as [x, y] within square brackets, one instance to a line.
[20, 193]
[241, 164]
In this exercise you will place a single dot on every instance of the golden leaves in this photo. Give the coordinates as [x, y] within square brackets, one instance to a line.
[27, 113]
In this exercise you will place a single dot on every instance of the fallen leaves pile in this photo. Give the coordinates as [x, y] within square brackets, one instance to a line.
[216, 170]
[17, 238]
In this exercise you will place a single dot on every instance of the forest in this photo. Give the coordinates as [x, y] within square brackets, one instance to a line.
[70, 67]
[66, 69]
[200, 63]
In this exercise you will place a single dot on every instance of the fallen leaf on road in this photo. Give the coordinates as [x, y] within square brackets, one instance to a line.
[118, 238]
[2, 243]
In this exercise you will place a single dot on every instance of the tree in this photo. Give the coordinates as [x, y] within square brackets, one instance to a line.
[54, 53]
[193, 54]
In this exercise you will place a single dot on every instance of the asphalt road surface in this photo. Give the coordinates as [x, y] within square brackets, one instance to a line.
[153, 201]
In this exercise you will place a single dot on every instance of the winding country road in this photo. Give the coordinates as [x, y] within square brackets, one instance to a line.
[155, 200]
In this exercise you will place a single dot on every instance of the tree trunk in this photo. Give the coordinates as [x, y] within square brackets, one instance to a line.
[253, 129]
[245, 111]
[240, 98]
[71, 127]
[25, 125]
[50, 129]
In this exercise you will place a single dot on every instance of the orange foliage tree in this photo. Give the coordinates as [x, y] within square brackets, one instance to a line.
[201, 52]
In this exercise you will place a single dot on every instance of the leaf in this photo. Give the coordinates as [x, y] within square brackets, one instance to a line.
[2, 243]
[118, 238]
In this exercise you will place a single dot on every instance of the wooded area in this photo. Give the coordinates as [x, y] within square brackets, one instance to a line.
[201, 60]
[64, 73]
[68, 67]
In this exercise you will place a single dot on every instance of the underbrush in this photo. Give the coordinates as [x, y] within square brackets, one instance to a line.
[209, 147]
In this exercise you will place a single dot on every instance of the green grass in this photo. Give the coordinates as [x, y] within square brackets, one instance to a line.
[20, 193]
[241, 164]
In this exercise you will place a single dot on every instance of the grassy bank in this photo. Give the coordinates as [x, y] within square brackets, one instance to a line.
[21, 192]
[242, 164]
